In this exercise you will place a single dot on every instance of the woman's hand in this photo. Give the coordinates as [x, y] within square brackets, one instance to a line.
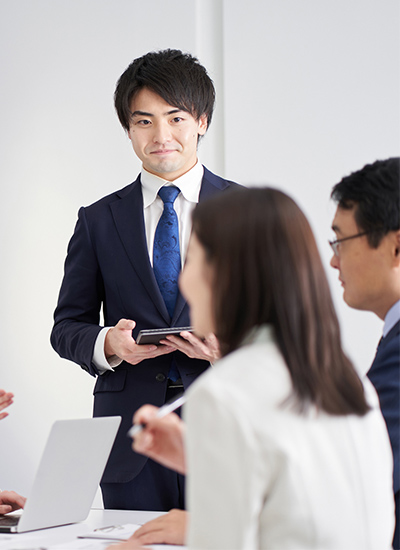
[162, 439]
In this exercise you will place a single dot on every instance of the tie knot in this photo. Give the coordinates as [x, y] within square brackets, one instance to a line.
[169, 194]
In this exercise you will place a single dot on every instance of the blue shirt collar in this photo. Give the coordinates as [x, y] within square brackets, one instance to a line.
[392, 316]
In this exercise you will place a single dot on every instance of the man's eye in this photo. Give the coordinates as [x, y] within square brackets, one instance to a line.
[177, 119]
[143, 122]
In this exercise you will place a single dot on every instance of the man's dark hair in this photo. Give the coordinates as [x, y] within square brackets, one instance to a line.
[374, 193]
[175, 76]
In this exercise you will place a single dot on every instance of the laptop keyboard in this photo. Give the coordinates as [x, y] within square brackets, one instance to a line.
[9, 521]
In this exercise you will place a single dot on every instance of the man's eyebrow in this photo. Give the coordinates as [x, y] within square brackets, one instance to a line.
[144, 113]
[141, 113]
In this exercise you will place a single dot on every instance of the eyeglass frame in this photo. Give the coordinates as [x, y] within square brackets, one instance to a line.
[334, 244]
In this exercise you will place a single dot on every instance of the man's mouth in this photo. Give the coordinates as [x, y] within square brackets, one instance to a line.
[162, 152]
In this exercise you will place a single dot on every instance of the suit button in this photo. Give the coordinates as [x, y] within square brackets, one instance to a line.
[160, 377]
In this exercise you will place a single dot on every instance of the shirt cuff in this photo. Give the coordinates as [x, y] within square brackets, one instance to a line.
[99, 359]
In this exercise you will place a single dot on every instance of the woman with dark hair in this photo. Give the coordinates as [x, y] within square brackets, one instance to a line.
[284, 446]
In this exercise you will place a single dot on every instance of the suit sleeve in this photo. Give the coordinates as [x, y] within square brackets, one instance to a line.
[77, 316]
[385, 376]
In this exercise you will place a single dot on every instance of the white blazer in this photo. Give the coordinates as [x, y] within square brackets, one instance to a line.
[261, 475]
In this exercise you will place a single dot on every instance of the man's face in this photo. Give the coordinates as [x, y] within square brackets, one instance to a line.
[365, 273]
[163, 137]
[195, 285]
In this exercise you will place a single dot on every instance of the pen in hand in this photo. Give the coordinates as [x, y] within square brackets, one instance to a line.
[162, 411]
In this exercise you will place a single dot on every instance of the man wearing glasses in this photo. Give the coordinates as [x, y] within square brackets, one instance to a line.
[367, 255]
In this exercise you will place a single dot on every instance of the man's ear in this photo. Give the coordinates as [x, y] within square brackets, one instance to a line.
[203, 124]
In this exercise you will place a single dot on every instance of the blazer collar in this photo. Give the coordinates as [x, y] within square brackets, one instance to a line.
[127, 212]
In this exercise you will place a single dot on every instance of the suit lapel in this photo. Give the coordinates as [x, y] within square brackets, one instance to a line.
[127, 213]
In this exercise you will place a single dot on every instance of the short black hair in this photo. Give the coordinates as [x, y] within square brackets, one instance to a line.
[175, 76]
[374, 193]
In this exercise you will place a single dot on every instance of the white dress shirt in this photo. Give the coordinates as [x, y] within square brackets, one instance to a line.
[391, 318]
[153, 206]
[263, 476]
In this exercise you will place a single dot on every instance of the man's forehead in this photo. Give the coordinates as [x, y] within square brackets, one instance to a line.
[344, 220]
[149, 101]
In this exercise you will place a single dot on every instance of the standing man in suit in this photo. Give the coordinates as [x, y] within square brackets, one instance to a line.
[117, 260]
[367, 255]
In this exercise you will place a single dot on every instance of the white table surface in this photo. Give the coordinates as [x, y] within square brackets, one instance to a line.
[46, 539]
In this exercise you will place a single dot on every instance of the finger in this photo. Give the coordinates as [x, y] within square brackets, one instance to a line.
[177, 342]
[155, 537]
[165, 348]
[5, 395]
[6, 399]
[13, 499]
[19, 501]
[5, 509]
[150, 533]
[149, 351]
[146, 349]
[143, 443]
[170, 343]
[190, 336]
[144, 414]
[212, 341]
[126, 324]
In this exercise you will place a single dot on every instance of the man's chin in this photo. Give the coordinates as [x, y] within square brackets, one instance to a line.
[352, 302]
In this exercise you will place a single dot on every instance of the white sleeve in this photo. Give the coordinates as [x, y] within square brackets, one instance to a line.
[227, 478]
[99, 359]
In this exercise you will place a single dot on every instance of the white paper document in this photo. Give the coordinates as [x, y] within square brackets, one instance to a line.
[112, 532]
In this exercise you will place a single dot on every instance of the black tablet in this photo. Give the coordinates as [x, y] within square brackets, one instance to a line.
[154, 335]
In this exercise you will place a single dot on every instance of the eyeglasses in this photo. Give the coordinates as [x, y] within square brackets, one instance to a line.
[335, 244]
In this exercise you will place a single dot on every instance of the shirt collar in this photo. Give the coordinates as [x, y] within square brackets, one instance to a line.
[189, 184]
[392, 316]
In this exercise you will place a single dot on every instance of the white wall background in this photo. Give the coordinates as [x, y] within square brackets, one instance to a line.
[307, 92]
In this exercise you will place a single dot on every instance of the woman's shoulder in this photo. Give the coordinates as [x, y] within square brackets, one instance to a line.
[255, 372]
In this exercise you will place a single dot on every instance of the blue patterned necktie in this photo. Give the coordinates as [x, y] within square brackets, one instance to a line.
[166, 252]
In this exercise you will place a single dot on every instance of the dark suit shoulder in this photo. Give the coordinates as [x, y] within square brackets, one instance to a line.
[217, 181]
[114, 196]
[385, 376]
[213, 184]
[386, 364]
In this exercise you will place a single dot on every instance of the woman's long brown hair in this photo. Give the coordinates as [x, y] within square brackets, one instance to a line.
[267, 270]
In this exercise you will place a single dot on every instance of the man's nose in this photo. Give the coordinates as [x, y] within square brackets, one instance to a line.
[162, 133]
[334, 261]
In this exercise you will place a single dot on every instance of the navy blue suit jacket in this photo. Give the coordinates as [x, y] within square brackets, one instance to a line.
[108, 266]
[385, 376]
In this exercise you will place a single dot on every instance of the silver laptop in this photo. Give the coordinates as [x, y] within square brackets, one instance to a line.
[68, 476]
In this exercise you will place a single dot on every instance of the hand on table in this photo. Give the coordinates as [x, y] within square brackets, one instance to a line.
[167, 529]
